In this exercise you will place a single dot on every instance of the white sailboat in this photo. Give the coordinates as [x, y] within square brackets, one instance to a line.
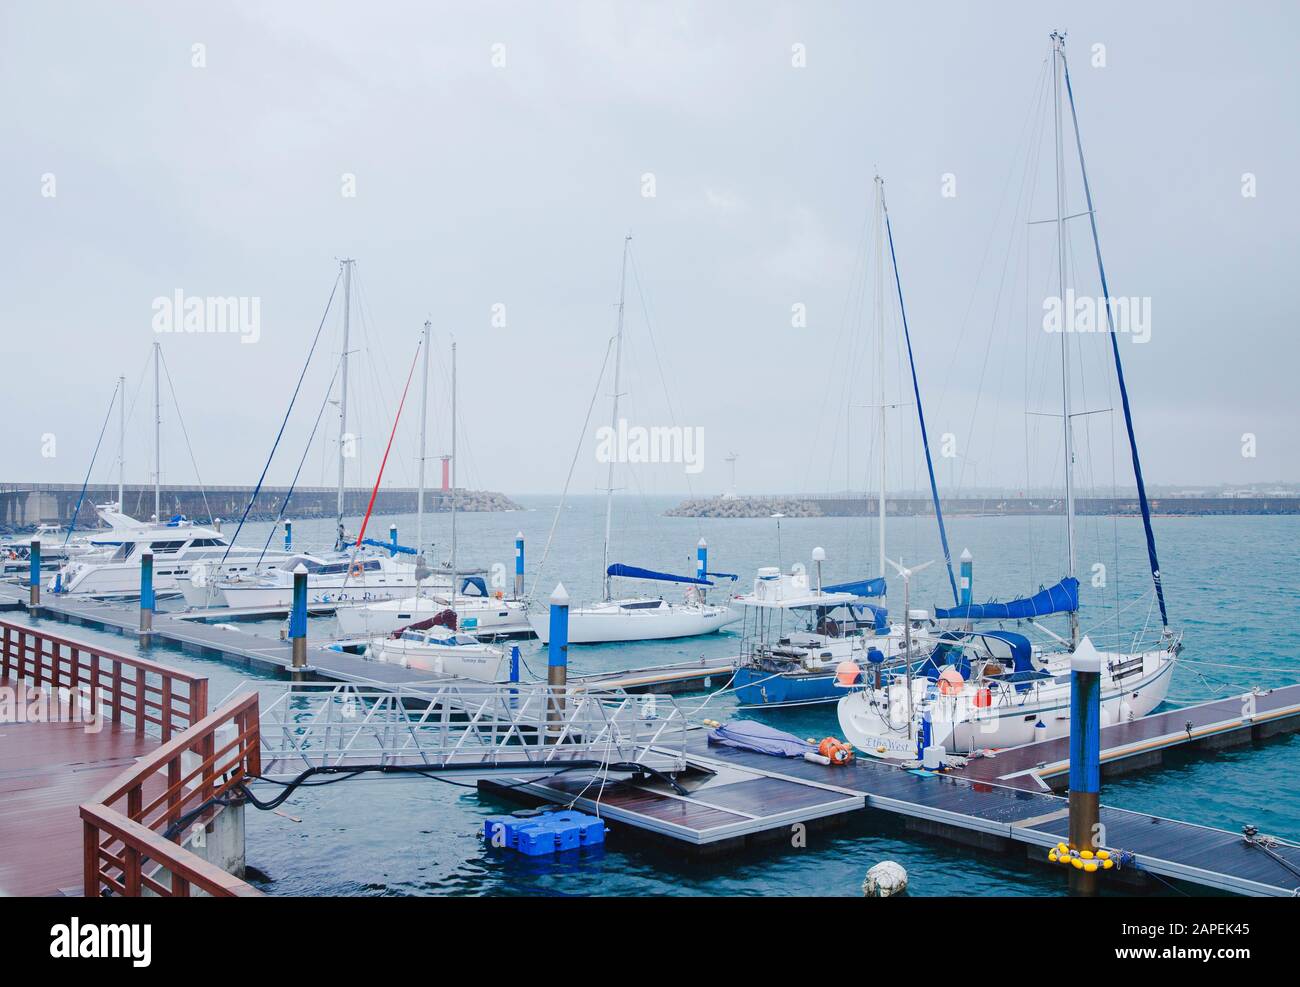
[966, 689]
[636, 618]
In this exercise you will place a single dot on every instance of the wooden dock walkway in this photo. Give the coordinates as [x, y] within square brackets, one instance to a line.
[46, 771]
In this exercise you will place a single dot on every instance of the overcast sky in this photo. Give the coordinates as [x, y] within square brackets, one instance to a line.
[498, 154]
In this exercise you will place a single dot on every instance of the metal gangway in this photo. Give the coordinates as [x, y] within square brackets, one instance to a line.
[468, 728]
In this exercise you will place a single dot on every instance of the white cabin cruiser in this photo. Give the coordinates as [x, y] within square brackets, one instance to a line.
[339, 581]
[442, 650]
[177, 546]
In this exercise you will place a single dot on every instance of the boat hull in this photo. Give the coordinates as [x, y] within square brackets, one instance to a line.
[612, 625]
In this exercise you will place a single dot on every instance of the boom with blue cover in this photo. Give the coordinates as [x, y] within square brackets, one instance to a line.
[1061, 598]
[859, 587]
[634, 572]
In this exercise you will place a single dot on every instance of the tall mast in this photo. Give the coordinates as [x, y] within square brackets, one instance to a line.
[618, 361]
[424, 423]
[1058, 54]
[454, 580]
[343, 392]
[157, 437]
[121, 444]
[880, 357]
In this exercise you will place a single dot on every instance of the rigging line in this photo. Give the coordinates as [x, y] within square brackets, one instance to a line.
[86, 482]
[185, 432]
[285, 421]
[582, 437]
[387, 449]
[1119, 364]
[284, 504]
[916, 388]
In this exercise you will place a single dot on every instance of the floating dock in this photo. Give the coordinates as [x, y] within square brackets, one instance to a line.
[735, 798]
[212, 640]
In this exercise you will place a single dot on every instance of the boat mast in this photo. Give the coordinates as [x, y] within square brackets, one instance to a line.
[424, 424]
[1058, 54]
[157, 438]
[453, 476]
[121, 444]
[343, 394]
[618, 359]
[880, 359]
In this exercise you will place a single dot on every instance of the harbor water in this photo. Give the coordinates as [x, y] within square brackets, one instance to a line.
[1231, 583]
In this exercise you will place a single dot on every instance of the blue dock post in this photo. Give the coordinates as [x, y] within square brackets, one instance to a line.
[34, 579]
[514, 663]
[288, 536]
[1085, 764]
[147, 602]
[557, 661]
[298, 621]
[967, 578]
[519, 565]
[392, 539]
[702, 563]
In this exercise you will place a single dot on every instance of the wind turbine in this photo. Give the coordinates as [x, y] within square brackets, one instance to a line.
[907, 574]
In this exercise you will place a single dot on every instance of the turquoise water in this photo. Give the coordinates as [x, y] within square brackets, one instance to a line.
[1232, 587]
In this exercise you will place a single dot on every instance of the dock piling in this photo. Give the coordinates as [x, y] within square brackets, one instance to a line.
[519, 565]
[298, 621]
[557, 658]
[288, 536]
[967, 583]
[1085, 763]
[34, 579]
[392, 539]
[147, 602]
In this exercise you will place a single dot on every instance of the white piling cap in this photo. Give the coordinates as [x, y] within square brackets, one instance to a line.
[299, 568]
[519, 536]
[819, 554]
[560, 596]
[702, 544]
[966, 555]
[1086, 658]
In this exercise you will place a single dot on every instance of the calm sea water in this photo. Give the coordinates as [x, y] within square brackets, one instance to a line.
[1232, 586]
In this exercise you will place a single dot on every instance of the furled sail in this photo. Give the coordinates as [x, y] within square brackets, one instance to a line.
[1061, 598]
[859, 587]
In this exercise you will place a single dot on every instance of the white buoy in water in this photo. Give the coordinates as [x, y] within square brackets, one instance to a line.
[885, 880]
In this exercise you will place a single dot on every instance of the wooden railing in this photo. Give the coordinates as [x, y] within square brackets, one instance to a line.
[130, 690]
[132, 830]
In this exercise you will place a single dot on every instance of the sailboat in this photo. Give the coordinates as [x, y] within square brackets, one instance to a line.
[642, 617]
[792, 650]
[110, 566]
[967, 689]
[464, 594]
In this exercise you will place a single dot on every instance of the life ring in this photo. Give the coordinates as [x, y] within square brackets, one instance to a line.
[356, 570]
[499, 595]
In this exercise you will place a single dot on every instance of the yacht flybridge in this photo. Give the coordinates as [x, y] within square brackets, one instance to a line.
[967, 687]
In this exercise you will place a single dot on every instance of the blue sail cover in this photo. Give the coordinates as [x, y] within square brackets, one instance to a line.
[633, 572]
[860, 587]
[1061, 598]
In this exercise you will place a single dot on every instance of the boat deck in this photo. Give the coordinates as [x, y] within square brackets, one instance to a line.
[46, 771]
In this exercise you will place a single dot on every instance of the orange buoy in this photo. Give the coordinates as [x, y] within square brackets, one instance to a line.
[836, 751]
[846, 673]
[951, 682]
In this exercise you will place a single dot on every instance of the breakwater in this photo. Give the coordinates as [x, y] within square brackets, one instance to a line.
[866, 506]
[26, 505]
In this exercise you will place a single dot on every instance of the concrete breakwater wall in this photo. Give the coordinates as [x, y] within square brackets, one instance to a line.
[26, 505]
[831, 506]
